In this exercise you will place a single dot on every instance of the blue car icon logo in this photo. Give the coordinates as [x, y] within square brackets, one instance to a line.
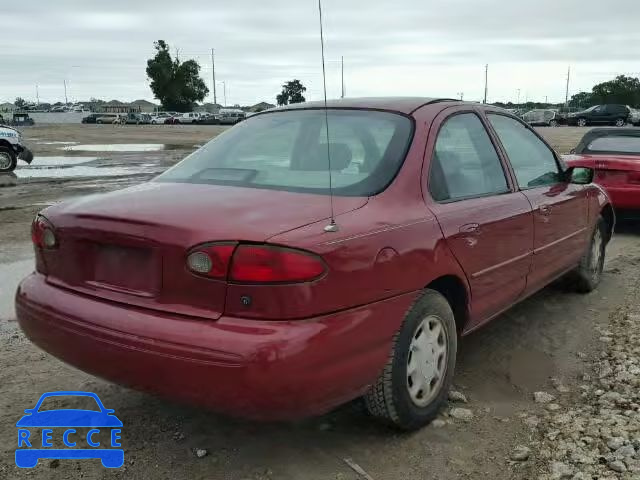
[58, 433]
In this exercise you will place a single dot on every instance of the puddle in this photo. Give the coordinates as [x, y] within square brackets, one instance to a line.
[56, 161]
[117, 147]
[10, 276]
[77, 171]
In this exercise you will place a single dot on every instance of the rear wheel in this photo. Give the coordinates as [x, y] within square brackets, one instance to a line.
[415, 381]
[8, 160]
[582, 122]
[553, 123]
[620, 122]
[587, 276]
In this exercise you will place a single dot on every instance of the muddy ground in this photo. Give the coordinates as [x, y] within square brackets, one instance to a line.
[552, 334]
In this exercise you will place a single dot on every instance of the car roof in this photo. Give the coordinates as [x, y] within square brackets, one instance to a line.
[591, 135]
[405, 105]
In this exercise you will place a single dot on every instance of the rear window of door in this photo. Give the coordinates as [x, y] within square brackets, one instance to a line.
[532, 160]
[465, 163]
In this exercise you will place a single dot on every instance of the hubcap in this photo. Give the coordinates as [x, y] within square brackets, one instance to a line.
[5, 161]
[596, 251]
[582, 123]
[427, 361]
[619, 123]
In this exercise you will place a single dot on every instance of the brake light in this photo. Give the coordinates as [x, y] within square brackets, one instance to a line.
[211, 259]
[254, 263]
[43, 234]
[268, 264]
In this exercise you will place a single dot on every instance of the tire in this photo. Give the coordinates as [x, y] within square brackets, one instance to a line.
[99, 122]
[390, 398]
[553, 123]
[8, 160]
[620, 122]
[582, 122]
[586, 277]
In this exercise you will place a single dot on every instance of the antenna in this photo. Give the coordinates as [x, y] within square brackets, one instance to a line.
[332, 227]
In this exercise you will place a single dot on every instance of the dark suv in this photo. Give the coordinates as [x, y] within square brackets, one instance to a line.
[610, 114]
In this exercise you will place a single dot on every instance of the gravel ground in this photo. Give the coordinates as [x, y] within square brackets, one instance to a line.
[594, 431]
[572, 352]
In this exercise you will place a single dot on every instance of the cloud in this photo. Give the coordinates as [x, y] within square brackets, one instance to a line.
[408, 47]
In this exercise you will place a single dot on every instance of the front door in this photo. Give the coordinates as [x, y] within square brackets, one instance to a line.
[487, 224]
[559, 207]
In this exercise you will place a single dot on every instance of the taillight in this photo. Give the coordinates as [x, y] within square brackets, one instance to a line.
[254, 263]
[268, 264]
[211, 259]
[43, 234]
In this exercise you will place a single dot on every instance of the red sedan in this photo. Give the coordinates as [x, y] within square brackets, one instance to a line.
[614, 154]
[224, 282]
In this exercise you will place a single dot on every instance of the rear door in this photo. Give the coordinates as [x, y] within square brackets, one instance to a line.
[559, 208]
[486, 223]
[599, 115]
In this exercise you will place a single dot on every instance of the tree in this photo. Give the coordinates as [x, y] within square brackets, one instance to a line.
[622, 89]
[582, 99]
[176, 84]
[291, 93]
[19, 102]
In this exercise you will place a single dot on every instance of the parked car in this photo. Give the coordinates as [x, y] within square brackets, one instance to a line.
[223, 282]
[634, 117]
[133, 118]
[609, 114]
[209, 119]
[230, 116]
[188, 117]
[159, 117]
[541, 117]
[614, 154]
[12, 148]
[173, 119]
[108, 118]
[91, 118]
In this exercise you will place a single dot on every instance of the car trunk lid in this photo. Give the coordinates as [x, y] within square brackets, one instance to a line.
[130, 246]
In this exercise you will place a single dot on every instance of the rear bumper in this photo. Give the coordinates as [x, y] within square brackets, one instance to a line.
[256, 369]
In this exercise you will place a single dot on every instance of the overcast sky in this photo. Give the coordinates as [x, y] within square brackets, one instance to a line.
[404, 47]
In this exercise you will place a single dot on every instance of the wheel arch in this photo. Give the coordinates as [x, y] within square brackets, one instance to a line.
[610, 219]
[5, 143]
[454, 289]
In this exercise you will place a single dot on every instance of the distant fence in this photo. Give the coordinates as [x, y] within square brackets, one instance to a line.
[62, 117]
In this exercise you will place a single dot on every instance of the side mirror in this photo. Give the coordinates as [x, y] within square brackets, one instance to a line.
[579, 175]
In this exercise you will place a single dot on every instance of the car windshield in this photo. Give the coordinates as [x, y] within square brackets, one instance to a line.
[288, 151]
[69, 402]
[616, 144]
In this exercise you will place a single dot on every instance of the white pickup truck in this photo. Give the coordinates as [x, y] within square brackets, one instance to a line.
[12, 148]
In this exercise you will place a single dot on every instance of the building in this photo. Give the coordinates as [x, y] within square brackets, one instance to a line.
[144, 106]
[7, 107]
[115, 106]
[260, 107]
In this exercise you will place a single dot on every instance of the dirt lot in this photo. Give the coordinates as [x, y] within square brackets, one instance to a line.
[553, 334]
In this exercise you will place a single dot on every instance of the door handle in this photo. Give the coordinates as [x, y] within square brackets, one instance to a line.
[545, 209]
[470, 228]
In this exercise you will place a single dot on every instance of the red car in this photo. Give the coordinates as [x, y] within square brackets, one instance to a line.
[614, 154]
[223, 282]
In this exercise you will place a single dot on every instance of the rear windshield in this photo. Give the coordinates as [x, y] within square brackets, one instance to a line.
[288, 151]
[626, 144]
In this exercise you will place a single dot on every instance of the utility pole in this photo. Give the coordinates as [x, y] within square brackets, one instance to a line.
[224, 87]
[566, 95]
[546, 99]
[518, 96]
[342, 62]
[461, 94]
[486, 76]
[37, 95]
[66, 102]
[213, 74]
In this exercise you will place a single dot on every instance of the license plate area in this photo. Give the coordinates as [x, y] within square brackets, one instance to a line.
[125, 269]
